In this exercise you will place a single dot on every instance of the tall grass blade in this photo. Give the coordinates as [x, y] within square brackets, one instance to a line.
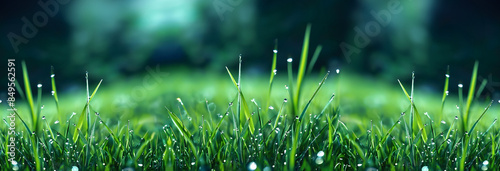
[245, 110]
[314, 59]
[273, 73]
[472, 89]
[445, 91]
[83, 118]
[415, 114]
[29, 97]
[54, 90]
[302, 66]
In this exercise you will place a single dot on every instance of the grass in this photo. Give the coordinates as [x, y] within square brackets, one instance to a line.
[302, 127]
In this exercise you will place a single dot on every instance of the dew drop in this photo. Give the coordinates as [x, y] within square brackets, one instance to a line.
[1, 101]
[289, 60]
[56, 122]
[271, 107]
[74, 168]
[275, 51]
[319, 161]
[443, 122]
[43, 117]
[252, 166]
[359, 165]
[140, 165]
[456, 117]
[275, 71]
[425, 168]
[285, 100]
[338, 71]
[460, 85]
[52, 76]
[321, 154]
[447, 75]
[39, 85]
[192, 163]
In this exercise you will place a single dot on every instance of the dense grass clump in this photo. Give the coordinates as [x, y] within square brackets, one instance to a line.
[304, 128]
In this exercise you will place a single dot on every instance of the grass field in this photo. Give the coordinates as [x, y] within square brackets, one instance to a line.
[292, 120]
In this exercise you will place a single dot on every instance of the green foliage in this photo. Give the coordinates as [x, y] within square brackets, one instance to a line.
[198, 136]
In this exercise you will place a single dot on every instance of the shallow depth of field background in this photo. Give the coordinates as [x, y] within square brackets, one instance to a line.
[150, 52]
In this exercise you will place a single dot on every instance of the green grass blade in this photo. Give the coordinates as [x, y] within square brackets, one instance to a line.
[314, 59]
[245, 110]
[54, 90]
[481, 116]
[302, 66]
[445, 91]
[314, 95]
[273, 73]
[83, 117]
[472, 89]
[29, 96]
[415, 113]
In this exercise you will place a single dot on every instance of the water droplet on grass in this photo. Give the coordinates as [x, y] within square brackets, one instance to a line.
[338, 71]
[140, 165]
[193, 163]
[321, 154]
[271, 107]
[74, 168]
[359, 165]
[425, 168]
[289, 60]
[52, 76]
[56, 122]
[460, 85]
[252, 166]
[443, 122]
[275, 71]
[447, 75]
[319, 161]
[39, 85]
[43, 117]
[285, 100]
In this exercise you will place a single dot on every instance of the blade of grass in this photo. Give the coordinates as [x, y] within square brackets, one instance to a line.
[314, 59]
[415, 113]
[273, 73]
[472, 89]
[83, 117]
[54, 90]
[29, 96]
[445, 92]
[242, 102]
[302, 66]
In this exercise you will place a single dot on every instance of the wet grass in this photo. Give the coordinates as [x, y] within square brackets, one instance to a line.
[254, 124]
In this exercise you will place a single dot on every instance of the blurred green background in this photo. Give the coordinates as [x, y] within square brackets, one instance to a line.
[119, 40]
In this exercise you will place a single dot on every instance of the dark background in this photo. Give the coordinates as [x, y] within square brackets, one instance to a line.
[115, 39]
